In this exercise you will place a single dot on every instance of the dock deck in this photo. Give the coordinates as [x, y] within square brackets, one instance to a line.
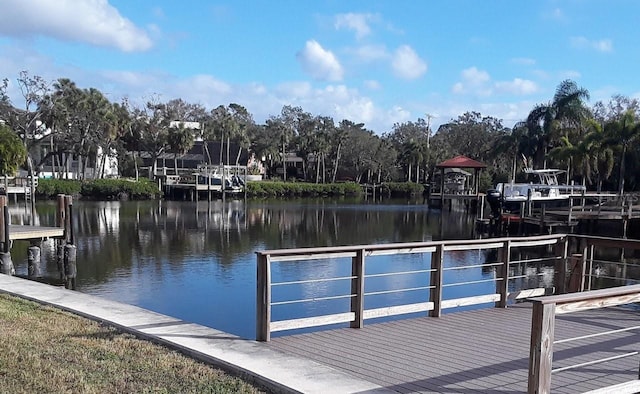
[34, 232]
[485, 351]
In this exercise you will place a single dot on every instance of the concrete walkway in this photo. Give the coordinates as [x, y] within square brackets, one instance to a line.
[251, 360]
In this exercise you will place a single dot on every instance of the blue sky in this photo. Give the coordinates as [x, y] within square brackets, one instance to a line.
[376, 62]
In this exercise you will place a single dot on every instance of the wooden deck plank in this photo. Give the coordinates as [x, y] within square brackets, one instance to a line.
[17, 232]
[484, 350]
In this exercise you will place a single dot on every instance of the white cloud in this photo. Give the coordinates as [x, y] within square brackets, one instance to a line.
[473, 81]
[94, 22]
[475, 77]
[604, 45]
[320, 63]
[407, 64]
[517, 86]
[478, 82]
[359, 23]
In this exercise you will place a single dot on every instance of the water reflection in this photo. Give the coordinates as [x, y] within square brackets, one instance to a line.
[196, 261]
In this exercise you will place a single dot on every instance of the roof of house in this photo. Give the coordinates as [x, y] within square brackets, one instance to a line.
[461, 162]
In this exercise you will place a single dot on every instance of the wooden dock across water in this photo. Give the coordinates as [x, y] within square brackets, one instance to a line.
[481, 351]
[34, 232]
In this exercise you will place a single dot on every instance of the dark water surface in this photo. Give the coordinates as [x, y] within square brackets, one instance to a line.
[196, 261]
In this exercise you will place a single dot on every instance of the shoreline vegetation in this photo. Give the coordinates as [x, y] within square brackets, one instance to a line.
[63, 352]
[144, 189]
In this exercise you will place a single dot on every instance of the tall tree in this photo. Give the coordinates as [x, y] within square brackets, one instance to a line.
[12, 151]
[563, 116]
[623, 132]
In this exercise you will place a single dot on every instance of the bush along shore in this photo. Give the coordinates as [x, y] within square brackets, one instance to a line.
[144, 189]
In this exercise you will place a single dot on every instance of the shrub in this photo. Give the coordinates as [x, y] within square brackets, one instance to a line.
[111, 189]
[50, 188]
[402, 189]
[300, 189]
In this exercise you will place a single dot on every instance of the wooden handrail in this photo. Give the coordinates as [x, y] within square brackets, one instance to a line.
[358, 254]
[545, 310]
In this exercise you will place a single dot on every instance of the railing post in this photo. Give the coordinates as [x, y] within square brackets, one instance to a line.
[541, 349]
[357, 289]
[437, 265]
[576, 277]
[263, 299]
[502, 275]
[560, 278]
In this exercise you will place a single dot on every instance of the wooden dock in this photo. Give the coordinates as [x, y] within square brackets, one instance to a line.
[574, 341]
[34, 232]
[62, 233]
[481, 351]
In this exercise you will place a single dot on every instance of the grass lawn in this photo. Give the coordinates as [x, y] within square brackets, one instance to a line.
[46, 350]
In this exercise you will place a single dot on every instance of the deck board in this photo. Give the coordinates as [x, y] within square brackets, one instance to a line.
[17, 232]
[477, 351]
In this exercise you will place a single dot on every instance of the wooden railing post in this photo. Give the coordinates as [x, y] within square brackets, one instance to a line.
[560, 278]
[576, 277]
[357, 289]
[541, 350]
[502, 275]
[437, 265]
[263, 299]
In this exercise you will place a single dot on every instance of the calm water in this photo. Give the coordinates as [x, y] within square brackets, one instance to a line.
[196, 261]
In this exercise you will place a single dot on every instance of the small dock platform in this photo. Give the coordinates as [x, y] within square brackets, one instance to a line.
[34, 232]
[481, 351]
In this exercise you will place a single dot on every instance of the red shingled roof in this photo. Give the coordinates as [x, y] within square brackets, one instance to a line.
[461, 162]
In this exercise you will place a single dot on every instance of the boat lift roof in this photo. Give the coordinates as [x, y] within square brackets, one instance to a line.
[547, 171]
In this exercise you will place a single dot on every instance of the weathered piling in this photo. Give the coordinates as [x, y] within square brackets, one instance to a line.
[6, 264]
[70, 268]
[60, 222]
[69, 260]
[34, 267]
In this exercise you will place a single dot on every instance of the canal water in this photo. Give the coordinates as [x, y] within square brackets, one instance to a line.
[196, 261]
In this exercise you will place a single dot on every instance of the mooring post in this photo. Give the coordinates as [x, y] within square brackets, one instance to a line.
[59, 243]
[5, 254]
[70, 268]
[34, 267]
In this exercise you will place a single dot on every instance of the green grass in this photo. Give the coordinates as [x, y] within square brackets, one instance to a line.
[44, 349]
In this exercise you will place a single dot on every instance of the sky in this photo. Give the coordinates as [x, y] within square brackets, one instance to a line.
[376, 62]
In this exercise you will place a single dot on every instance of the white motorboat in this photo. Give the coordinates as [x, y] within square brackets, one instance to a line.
[546, 188]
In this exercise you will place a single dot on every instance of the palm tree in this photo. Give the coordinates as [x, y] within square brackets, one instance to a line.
[623, 132]
[180, 139]
[601, 153]
[513, 144]
[546, 123]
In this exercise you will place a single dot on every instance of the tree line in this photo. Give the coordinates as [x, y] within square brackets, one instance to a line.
[595, 144]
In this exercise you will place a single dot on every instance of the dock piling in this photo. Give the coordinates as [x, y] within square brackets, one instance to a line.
[34, 266]
[70, 268]
[5, 251]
